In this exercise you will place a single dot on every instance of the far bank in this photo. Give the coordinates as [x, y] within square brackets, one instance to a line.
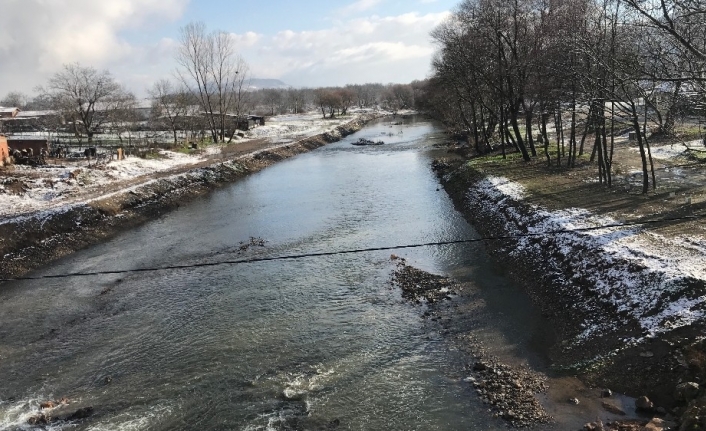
[29, 241]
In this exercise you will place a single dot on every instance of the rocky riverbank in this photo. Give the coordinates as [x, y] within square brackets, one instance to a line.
[30, 241]
[510, 391]
[625, 317]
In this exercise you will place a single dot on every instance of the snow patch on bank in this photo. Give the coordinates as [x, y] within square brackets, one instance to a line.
[673, 151]
[50, 187]
[641, 275]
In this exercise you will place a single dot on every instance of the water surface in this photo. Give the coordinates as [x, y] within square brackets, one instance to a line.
[313, 343]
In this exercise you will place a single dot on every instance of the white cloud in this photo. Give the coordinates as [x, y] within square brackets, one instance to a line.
[381, 49]
[359, 6]
[38, 36]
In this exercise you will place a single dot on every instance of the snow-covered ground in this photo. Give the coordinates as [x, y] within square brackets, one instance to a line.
[643, 274]
[27, 189]
[673, 151]
[301, 125]
[42, 188]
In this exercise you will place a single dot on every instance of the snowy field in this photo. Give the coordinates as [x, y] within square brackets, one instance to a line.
[25, 189]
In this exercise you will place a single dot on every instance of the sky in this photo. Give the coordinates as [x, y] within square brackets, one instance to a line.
[303, 43]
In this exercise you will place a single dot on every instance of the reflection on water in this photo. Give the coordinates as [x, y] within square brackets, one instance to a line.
[316, 343]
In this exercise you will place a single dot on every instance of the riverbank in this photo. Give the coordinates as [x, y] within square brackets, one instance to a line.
[627, 302]
[30, 240]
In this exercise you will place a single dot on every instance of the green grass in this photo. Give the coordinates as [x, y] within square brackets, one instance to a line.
[494, 159]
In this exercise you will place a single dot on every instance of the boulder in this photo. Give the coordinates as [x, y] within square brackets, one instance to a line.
[644, 404]
[686, 391]
[655, 424]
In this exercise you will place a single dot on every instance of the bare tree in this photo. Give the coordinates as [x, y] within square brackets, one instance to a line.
[15, 99]
[170, 105]
[213, 70]
[84, 95]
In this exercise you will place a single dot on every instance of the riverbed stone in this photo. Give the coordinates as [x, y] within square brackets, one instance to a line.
[81, 413]
[644, 404]
[612, 408]
[47, 405]
[686, 391]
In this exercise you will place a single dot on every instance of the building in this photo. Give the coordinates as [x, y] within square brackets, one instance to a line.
[27, 143]
[257, 120]
[4, 151]
[9, 112]
[31, 121]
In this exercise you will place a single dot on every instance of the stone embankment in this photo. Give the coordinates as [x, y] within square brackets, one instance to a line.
[30, 241]
[628, 306]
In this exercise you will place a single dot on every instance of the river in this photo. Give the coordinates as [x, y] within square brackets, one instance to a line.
[311, 343]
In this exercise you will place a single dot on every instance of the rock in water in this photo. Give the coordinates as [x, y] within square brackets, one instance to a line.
[81, 413]
[644, 404]
[613, 408]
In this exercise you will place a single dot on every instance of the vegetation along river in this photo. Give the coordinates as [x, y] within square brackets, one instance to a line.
[313, 343]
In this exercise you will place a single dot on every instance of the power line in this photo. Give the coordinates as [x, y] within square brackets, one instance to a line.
[354, 251]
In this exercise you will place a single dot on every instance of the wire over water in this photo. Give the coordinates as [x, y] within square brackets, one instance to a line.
[354, 251]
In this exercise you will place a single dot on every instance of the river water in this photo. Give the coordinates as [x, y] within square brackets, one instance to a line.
[313, 343]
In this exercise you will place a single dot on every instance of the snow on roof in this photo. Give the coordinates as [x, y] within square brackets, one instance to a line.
[27, 114]
[4, 109]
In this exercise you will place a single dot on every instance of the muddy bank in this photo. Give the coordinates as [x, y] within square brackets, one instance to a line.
[605, 345]
[30, 241]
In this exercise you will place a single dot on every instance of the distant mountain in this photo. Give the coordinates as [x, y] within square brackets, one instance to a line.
[259, 84]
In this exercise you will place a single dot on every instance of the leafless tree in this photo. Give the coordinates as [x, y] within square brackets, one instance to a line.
[84, 96]
[15, 99]
[170, 105]
[212, 69]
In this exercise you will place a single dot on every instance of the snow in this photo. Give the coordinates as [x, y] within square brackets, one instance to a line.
[301, 125]
[646, 276]
[56, 185]
[57, 188]
[673, 151]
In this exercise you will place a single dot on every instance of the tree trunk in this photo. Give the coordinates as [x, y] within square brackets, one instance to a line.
[502, 132]
[641, 146]
[528, 132]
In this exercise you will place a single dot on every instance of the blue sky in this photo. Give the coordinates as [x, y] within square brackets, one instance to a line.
[312, 43]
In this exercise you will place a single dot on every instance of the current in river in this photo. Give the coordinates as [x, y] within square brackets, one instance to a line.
[312, 343]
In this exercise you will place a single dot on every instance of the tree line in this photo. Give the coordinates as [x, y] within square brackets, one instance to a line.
[209, 95]
[507, 69]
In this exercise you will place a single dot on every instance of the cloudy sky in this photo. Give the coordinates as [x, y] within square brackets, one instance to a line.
[304, 43]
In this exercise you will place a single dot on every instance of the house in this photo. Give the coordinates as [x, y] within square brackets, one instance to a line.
[257, 120]
[31, 121]
[26, 143]
[9, 112]
[4, 151]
